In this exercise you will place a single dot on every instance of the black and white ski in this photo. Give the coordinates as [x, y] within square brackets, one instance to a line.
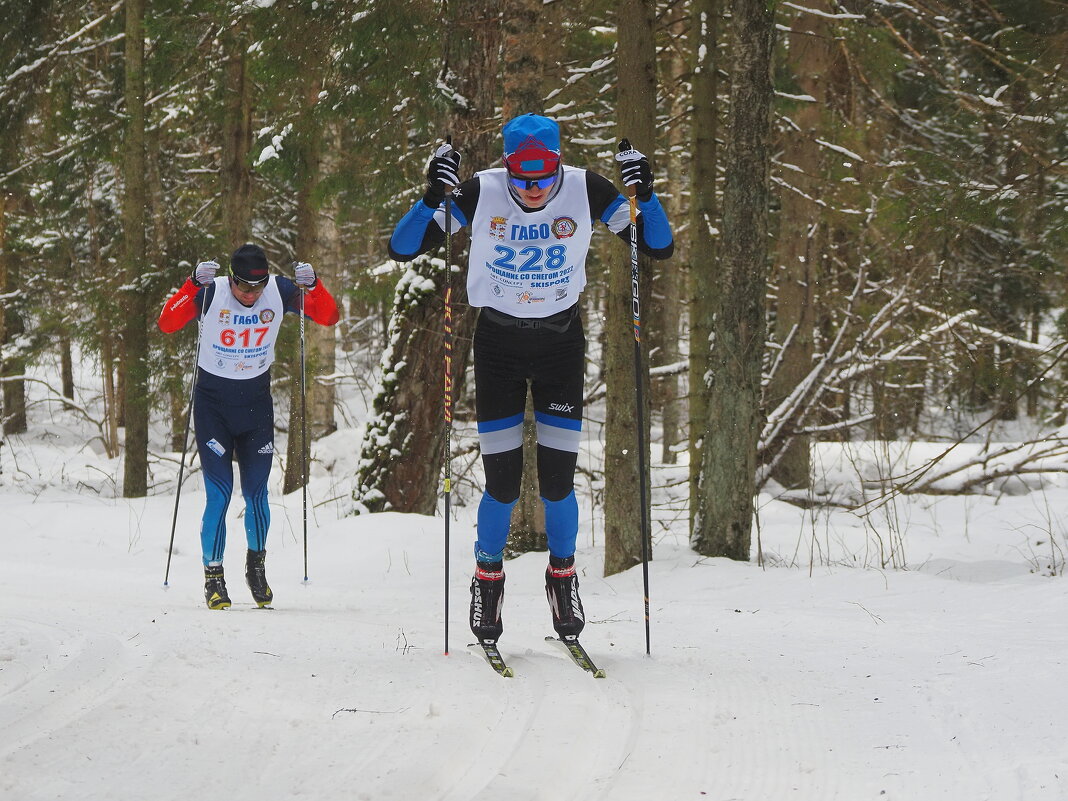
[578, 654]
[493, 656]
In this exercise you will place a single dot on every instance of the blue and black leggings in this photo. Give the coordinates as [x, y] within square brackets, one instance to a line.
[223, 431]
[508, 355]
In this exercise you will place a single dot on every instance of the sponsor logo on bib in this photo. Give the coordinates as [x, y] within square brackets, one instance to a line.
[563, 227]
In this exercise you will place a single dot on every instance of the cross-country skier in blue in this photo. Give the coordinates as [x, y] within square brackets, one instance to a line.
[531, 221]
[233, 411]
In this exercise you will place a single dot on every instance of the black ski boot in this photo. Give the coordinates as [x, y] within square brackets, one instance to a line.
[487, 598]
[256, 578]
[215, 587]
[561, 588]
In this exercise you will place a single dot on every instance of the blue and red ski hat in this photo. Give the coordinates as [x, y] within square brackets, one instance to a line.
[531, 145]
[249, 263]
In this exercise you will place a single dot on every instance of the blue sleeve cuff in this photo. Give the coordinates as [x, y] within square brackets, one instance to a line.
[408, 235]
[656, 231]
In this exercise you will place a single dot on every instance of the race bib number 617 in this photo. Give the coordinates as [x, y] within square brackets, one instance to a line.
[229, 337]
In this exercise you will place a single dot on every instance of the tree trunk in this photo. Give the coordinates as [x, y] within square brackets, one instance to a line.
[318, 243]
[530, 41]
[724, 517]
[179, 409]
[235, 175]
[670, 282]
[298, 450]
[527, 530]
[526, 48]
[135, 330]
[26, 27]
[331, 258]
[12, 328]
[704, 224]
[802, 240]
[636, 68]
[66, 364]
[402, 454]
[404, 432]
[111, 394]
[107, 338]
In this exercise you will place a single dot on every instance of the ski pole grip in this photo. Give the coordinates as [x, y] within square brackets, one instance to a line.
[448, 141]
[629, 191]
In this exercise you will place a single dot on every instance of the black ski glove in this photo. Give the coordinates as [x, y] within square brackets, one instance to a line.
[634, 170]
[443, 174]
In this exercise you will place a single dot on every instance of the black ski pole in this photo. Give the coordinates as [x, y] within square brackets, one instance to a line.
[448, 393]
[185, 441]
[635, 303]
[303, 435]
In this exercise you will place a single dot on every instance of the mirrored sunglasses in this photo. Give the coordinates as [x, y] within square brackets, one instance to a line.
[246, 286]
[533, 183]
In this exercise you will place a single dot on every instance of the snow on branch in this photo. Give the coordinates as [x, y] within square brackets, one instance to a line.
[56, 397]
[677, 368]
[856, 351]
[57, 48]
[782, 424]
[73, 144]
[799, 98]
[990, 333]
[576, 74]
[444, 84]
[820, 13]
[1046, 455]
[987, 468]
[840, 149]
[894, 354]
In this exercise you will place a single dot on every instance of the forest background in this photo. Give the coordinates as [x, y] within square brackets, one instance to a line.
[868, 197]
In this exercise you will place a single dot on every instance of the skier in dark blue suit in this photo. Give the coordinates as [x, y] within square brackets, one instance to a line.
[531, 221]
[233, 411]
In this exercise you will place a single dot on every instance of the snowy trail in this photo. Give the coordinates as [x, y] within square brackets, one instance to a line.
[849, 684]
[480, 736]
[575, 732]
[60, 675]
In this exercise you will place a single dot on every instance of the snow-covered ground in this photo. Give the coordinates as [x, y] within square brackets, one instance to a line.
[919, 653]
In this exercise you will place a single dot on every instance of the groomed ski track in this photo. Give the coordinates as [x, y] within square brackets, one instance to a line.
[112, 687]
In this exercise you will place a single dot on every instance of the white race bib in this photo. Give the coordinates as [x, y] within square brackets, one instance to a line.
[529, 264]
[238, 341]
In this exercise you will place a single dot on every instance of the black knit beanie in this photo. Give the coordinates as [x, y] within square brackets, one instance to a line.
[249, 263]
